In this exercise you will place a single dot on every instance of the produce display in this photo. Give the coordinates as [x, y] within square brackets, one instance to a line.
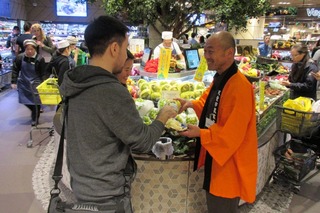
[152, 90]
[149, 99]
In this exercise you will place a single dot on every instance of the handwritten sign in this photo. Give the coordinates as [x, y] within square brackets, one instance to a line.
[262, 86]
[198, 76]
[164, 63]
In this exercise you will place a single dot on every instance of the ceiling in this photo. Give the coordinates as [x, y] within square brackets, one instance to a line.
[294, 3]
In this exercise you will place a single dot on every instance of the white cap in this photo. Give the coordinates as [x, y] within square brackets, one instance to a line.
[63, 44]
[29, 42]
[167, 35]
[72, 39]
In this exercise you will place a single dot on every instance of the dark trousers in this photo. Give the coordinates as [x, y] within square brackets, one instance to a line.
[35, 111]
[217, 204]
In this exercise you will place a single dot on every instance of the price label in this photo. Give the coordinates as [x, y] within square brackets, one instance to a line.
[202, 68]
[164, 63]
[262, 85]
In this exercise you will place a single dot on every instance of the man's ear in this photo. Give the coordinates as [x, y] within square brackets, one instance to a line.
[114, 49]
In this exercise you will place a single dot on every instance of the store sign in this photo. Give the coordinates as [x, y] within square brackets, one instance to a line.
[310, 12]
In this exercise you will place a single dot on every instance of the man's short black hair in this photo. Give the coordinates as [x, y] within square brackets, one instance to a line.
[27, 26]
[101, 32]
[16, 28]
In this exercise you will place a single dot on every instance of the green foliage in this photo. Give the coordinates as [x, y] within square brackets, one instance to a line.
[175, 15]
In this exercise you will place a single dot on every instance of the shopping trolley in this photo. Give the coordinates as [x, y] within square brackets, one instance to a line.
[45, 93]
[297, 157]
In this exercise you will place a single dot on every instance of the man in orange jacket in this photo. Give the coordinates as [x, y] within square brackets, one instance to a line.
[227, 142]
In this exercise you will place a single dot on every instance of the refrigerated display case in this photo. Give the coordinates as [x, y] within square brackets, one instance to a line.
[6, 27]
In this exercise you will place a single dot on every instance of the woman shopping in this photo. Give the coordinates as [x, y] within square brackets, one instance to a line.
[301, 81]
[27, 72]
[45, 46]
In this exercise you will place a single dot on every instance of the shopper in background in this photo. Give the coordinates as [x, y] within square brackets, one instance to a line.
[315, 55]
[45, 45]
[226, 135]
[300, 81]
[316, 48]
[21, 38]
[27, 72]
[202, 41]
[60, 61]
[126, 70]
[167, 42]
[265, 48]
[12, 39]
[193, 42]
[104, 125]
[74, 50]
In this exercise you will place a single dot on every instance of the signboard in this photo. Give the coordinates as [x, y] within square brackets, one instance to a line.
[164, 63]
[309, 12]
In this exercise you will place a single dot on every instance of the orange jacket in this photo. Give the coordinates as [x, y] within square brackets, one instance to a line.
[232, 141]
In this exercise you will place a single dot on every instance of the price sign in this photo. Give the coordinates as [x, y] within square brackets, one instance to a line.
[262, 85]
[164, 63]
[198, 76]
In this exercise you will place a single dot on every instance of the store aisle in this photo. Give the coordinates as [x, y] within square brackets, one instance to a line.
[17, 162]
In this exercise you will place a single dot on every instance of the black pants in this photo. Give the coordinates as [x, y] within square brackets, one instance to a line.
[217, 204]
[35, 112]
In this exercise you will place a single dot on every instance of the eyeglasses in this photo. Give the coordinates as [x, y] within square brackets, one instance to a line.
[296, 55]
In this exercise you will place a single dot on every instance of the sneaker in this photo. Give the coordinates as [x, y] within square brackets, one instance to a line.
[33, 123]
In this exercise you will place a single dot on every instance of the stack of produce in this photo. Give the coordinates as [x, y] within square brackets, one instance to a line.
[148, 112]
[153, 90]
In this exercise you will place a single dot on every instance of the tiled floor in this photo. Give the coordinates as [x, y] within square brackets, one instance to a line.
[17, 162]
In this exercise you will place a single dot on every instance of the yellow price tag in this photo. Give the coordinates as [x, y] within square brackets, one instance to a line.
[202, 68]
[164, 63]
[262, 85]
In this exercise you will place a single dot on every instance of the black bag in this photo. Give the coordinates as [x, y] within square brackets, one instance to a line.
[56, 205]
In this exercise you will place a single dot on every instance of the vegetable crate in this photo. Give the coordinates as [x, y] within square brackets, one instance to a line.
[295, 166]
[49, 92]
[297, 123]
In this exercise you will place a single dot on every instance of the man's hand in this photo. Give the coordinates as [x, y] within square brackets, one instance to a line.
[193, 131]
[165, 113]
[185, 104]
[14, 86]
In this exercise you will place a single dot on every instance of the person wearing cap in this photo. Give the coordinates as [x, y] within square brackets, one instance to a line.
[60, 61]
[167, 42]
[28, 70]
[74, 50]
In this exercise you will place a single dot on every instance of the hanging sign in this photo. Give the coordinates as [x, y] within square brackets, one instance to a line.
[164, 63]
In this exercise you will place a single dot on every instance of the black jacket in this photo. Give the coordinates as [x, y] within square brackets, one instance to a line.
[306, 85]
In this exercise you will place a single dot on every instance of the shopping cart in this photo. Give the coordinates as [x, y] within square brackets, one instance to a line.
[297, 157]
[45, 93]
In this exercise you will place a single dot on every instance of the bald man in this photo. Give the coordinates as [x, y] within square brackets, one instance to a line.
[226, 134]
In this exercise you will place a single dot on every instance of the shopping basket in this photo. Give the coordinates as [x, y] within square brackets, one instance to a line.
[295, 166]
[49, 92]
[297, 123]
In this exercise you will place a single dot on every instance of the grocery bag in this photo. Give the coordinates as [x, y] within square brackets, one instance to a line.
[303, 104]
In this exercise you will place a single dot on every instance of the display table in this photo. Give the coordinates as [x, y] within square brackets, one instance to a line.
[173, 186]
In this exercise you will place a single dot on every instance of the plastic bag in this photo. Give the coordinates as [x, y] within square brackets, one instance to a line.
[316, 106]
[301, 103]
